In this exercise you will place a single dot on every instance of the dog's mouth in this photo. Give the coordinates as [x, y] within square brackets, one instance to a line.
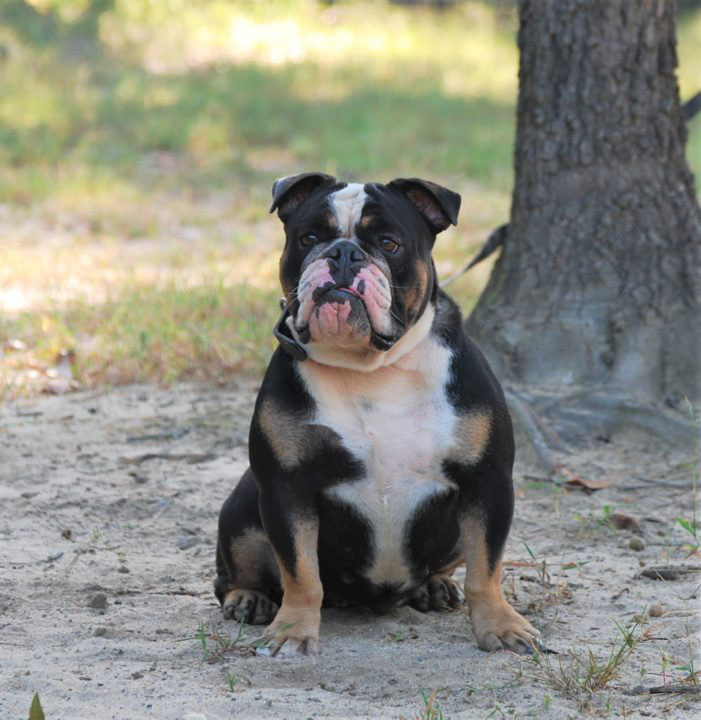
[339, 295]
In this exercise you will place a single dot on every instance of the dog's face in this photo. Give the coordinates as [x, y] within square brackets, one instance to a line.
[358, 257]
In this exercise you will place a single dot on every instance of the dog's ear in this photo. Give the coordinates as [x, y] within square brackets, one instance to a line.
[438, 205]
[291, 191]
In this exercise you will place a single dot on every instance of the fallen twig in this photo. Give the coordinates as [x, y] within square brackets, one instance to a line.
[664, 690]
[668, 572]
[190, 458]
[170, 435]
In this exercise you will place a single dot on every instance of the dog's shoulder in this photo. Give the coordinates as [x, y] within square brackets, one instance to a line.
[283, 384]
[284, 438]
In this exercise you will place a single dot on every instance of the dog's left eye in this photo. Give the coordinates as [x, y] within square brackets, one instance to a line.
[309, 239]
[388, 244]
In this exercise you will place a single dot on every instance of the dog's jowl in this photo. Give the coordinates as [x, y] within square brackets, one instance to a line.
[381, 447]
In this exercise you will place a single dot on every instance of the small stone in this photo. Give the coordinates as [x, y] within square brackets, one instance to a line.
[98, 601]
[136, 675]
[123, 569]
[183, 543]
[54, 556]
[636, 543]
[656, 610]
[99, 631]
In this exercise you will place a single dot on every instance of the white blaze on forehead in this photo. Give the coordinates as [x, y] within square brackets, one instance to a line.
[347, 204]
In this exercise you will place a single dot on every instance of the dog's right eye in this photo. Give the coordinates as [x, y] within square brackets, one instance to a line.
[309, 239]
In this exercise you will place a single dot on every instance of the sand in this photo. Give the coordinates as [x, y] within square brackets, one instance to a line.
[108, 509]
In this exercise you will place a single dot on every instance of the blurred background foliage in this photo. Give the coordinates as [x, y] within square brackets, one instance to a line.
[139, 140]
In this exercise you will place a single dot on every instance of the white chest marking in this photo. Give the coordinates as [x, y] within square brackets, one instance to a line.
[398, 422]
[348, 203]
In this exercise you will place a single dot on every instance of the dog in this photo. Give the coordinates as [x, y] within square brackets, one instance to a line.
[381, 448]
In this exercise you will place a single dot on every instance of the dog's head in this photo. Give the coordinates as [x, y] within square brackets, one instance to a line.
[357, 262]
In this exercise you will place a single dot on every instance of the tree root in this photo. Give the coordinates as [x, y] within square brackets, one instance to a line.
[531, 428]
[551, 422]
[603, 412]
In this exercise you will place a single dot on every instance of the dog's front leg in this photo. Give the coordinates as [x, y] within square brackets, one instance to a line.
[495, 623]
[294, 535]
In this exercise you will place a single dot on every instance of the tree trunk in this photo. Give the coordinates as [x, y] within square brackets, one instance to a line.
[598, 280]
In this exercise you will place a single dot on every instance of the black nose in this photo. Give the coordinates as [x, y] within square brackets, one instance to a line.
[345, 260]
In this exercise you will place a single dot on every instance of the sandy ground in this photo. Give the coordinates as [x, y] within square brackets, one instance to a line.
[107, 558]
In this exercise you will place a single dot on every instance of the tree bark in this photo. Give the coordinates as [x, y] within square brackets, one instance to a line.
[598, 281]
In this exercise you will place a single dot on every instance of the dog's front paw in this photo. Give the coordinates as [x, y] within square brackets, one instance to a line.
[498, 626]
[295, 631]
[248, 606]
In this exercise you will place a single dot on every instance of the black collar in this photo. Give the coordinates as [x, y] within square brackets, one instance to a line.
[283, 335]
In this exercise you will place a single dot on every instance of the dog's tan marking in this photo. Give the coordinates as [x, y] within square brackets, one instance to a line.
[416, 294]
[300, 614]
[495, 623]
[291, 438]
[283, 431]
[449, 569]
[471, 436]
[252, 556]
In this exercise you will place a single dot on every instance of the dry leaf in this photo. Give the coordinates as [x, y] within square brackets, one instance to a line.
[589, 484]
[621, 521]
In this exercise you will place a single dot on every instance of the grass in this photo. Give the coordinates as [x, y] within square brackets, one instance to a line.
[215, 646]
[586, 673]
[138, 143]
[431, 709]
[36, 712]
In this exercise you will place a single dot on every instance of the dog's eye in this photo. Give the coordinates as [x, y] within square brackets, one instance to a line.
[388, 244]
[309, 239]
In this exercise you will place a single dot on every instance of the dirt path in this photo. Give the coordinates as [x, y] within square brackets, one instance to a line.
[106, 562]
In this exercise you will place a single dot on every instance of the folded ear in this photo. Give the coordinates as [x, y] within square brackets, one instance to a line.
[291, 191]
[438, 205]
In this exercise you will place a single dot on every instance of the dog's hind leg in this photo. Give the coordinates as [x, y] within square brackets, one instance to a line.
[439, 592]
[247, 583]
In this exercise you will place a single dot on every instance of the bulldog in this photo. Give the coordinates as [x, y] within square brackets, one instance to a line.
[381, 448]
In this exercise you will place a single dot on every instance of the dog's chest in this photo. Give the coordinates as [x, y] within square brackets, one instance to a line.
[398, 422]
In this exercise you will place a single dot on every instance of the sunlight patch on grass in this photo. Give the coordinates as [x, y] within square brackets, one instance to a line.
[476, 57]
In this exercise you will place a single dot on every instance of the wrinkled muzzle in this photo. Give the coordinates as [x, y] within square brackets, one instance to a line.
[349, 310]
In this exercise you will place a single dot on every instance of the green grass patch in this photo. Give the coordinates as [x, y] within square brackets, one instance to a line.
[147, 334]
[139, 140]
